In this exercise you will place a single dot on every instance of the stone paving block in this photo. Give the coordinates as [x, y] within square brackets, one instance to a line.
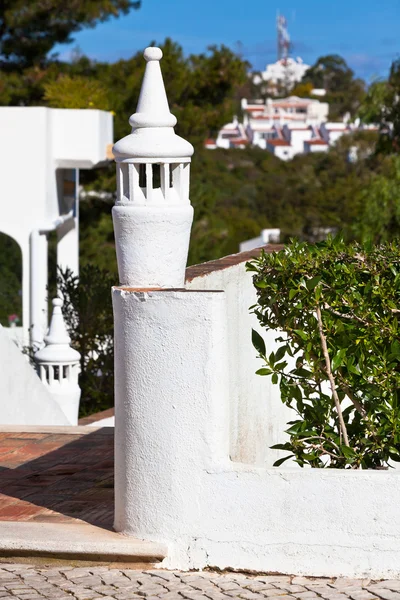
[276, 579]
[361, 594]
[257, 586]
[226, 585]
[194, 595]
[164, 575]
[390, 584]
[277, 597]
[384, 593]
[27, 582]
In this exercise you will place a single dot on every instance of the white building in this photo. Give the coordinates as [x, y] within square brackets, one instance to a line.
[285, 73]
[267, 236]
[232, 135]
[285, 127]
[293, 109]
[331, 132]
[41, 152]
[315, 145]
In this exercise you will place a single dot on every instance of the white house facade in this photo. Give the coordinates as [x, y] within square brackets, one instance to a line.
[41, 152]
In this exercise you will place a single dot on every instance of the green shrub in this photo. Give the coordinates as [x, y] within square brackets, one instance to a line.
[88, 314]
[336, 310]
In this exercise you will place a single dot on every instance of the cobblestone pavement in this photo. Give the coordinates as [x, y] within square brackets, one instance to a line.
[27, 582]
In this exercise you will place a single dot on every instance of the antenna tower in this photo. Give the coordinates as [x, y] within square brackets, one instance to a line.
[283, 37]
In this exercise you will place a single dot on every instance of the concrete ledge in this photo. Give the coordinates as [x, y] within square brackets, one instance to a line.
[76, 542]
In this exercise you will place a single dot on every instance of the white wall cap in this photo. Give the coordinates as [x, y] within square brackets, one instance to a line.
[57, 348]
[152, 124]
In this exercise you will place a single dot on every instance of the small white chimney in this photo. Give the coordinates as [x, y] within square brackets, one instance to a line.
[152, 215]
[59, 365]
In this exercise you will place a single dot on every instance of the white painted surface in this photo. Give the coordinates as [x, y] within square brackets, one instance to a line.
[107, 422]
[306, 522]
[72, 539]
[267, 236]
[23, 398]
[152, 133]
[257, 416]
[152, 244]
[288, 72]
[37, 143]
[171, 413]
[175, 483]
[152, 220]
[59, 366]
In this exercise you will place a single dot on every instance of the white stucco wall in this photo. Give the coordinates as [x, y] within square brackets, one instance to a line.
[304, 522]
[257, 416]
[36, 142]
[23, 398]
[175, 480]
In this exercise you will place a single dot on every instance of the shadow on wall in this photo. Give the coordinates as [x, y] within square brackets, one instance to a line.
[57, 477]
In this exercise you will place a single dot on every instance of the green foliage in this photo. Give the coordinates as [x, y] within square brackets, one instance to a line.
[373, 108]
[378, 218]
[29, 30]
[88, 314]
[344, 93]
[336, 308]
[76, 92]
[236, 193]
[382, 106]
[10, 280]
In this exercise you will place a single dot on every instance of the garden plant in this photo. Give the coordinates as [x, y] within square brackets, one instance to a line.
[335, 308]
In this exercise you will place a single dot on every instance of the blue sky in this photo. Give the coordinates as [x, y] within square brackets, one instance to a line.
[364, 32]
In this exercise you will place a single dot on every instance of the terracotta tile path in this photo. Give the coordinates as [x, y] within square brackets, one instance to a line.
[60, 478]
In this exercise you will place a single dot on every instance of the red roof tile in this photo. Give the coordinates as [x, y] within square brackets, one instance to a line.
[278, 143]
[316, 142]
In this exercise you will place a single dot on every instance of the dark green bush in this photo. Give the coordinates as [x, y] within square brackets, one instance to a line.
[88, 314]
[336, 310]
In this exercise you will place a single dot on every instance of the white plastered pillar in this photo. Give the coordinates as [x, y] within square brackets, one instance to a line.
[38, 286]
[171, 391]
[68, 246]
[68, 237]
[171, 399]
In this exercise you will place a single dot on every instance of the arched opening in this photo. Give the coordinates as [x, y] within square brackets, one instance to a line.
[10, 282]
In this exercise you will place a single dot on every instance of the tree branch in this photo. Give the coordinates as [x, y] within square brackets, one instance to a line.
[349, 317]
[342, 425]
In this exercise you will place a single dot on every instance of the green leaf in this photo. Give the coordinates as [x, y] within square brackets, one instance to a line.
[348, 452]
[261, 284]
[302, 334]
[280, 461]
[280, 353]
[312, 283]
[275, 378]
[258, 342]
[338, 359]
[264, 371]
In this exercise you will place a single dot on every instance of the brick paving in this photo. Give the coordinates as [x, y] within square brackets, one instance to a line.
[57, 478]
[28, 582]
